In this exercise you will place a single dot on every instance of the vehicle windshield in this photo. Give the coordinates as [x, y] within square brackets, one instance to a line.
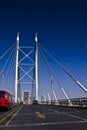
[2, 94]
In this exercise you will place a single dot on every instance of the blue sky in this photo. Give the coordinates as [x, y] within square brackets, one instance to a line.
[61, 27]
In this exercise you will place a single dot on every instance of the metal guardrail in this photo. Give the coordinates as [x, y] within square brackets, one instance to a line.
[75, 102]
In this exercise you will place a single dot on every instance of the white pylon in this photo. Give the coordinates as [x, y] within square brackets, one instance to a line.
[16, 67]
[36, 65]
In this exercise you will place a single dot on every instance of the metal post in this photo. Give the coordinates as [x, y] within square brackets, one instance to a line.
[65, 94]
[54, 95]
[49, 99]
[45, 98]
[36, 65]
[16, 67]
[52, 88]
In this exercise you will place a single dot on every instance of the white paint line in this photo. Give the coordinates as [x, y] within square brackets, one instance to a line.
[3, 114]
[13, 116]
[44, 124]
[75, 116]
[68, 114]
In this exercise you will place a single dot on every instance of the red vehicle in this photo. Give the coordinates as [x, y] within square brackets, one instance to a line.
[5, 99]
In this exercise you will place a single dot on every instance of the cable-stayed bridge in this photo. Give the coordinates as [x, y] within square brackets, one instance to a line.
[34, 69]
[62, 98]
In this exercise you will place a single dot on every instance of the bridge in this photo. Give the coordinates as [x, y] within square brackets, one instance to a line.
[62, 98]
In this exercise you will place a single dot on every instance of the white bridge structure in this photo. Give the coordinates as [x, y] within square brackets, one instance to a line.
[41, 72]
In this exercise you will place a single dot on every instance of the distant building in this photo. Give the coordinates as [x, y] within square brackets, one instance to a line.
[26, 97]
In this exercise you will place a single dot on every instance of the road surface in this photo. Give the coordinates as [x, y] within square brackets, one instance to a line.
[42, 117]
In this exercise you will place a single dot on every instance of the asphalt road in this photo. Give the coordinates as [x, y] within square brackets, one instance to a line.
[38, 117]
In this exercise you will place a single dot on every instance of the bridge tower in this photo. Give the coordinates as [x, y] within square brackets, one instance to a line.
[16, 68]
[34, 67]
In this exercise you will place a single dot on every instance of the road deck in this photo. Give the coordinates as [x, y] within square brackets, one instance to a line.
[42, 117]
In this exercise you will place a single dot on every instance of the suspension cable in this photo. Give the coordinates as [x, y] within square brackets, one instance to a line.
[11, 74]
[43, 73]
[7, 51]
[61, 66]
[45, 68]
[62, 89]
[6, 62]
[9, 68]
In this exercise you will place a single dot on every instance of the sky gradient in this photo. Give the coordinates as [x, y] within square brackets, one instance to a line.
[61, 27]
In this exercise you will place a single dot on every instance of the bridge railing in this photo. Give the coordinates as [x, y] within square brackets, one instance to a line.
[76, 102]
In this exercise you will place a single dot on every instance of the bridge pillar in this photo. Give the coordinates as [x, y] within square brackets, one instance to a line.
[36, 65]
[16, 68]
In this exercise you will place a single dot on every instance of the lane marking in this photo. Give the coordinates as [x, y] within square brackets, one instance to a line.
[84, 119]
[75, 116]
[6, 116]
[44, 124]
[13, 116]
[40, 115]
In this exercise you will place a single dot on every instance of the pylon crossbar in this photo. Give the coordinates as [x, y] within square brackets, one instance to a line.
[26, 47]
[25, 64]
[25, 83]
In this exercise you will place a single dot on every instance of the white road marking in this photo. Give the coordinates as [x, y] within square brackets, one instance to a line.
[82, 120]
[13, 116]
[4, 114]
[68, 114]
[44, 124]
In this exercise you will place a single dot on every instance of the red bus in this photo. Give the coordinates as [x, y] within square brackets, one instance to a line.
[5, 99]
